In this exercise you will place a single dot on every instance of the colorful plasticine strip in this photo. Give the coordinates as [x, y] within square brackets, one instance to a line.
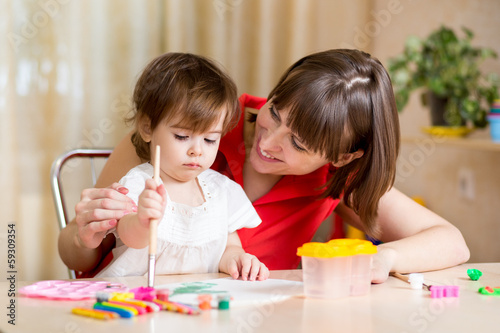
[491, 291]
[140, 310]
[153, 306]
[177, 307]
[148, 306]
[93, 313]
[124, 313]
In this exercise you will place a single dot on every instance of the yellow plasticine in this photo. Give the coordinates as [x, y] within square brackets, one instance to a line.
[133, 302]
[121, 296]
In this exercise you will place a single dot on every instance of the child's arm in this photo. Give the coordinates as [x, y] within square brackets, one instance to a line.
[133, 229]
[236, 262]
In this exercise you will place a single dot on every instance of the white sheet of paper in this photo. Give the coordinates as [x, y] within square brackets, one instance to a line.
[241, 292]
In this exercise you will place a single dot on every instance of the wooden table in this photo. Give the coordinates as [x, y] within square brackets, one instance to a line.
[390, 307]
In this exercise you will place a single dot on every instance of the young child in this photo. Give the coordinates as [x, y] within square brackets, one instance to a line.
[184, 103]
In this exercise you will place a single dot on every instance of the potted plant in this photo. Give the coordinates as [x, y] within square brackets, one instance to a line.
[447, 67]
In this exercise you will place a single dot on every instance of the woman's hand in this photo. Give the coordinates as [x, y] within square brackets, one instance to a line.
[248, 267]
[98, 211]
[383, 261]
[81, 244]
[414, 239]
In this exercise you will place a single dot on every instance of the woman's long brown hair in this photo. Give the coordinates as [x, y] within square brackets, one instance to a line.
[340, 101]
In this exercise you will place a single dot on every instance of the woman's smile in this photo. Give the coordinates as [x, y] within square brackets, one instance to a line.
[266, 154]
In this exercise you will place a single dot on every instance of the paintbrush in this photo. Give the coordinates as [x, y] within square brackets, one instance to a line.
[153, 226]
[416, 281]
[406, 278]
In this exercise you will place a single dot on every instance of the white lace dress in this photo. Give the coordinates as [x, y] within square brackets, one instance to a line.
[190, 239]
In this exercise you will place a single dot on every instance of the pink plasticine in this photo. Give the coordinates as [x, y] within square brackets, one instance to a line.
[144, 293]
[444, 291]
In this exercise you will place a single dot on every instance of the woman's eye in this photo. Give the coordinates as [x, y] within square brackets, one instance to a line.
[180, 137]
[297, 146]
[273, 113]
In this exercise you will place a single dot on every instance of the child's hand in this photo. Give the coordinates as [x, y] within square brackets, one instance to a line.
[152, 202]
[248, 267]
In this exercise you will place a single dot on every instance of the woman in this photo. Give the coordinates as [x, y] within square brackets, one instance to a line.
[326, 139]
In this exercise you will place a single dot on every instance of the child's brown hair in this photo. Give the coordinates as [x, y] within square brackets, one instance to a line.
[186, 85]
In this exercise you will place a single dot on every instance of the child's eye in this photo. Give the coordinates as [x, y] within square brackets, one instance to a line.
[181, 137]
[211, 142]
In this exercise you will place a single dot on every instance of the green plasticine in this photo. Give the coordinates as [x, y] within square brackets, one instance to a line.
[474, 274]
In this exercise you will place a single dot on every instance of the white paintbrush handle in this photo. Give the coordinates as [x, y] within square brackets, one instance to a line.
[153, 225]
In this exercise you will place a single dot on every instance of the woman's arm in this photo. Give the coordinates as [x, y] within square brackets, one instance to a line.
[81, 244]
[236, 262]
[414, 238]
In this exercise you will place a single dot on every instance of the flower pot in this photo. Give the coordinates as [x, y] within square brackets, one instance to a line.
[439, 123]
[437, 107]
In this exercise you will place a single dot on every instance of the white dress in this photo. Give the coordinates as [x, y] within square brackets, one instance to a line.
[190, 239]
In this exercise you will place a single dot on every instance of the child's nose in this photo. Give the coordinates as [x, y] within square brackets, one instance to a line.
[195, 149]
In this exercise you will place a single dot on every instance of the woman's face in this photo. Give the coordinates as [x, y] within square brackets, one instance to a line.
[277, 150]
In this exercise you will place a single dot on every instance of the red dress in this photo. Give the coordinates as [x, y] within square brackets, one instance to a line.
[291, 211]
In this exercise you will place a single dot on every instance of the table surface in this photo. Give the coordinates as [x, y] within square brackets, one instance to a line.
[390, 307]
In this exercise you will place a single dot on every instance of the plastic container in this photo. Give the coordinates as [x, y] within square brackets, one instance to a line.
[494, 119]
[326, 270]
[362, 251]
[339, 268]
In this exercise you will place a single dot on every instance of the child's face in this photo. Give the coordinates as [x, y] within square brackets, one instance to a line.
[184, 154]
